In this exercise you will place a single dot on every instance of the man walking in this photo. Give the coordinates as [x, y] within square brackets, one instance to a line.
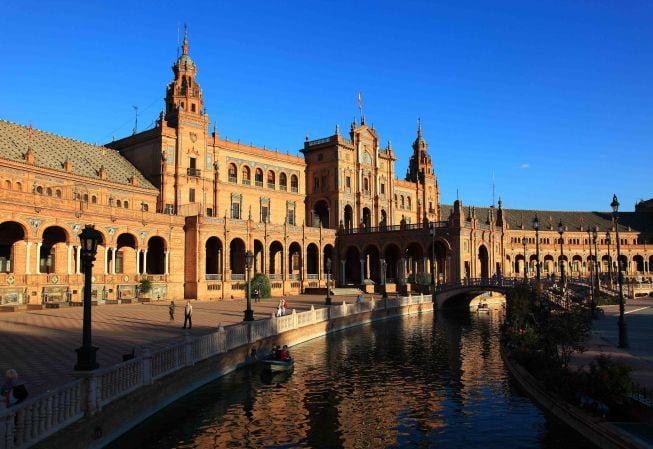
[171, 310]
[188, 315]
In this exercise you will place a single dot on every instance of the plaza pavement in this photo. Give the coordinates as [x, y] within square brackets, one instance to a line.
[40, 345]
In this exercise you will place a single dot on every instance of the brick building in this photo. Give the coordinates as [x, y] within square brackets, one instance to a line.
[180, 206]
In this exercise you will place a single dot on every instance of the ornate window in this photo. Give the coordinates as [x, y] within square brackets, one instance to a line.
[258, 177]
[283, 181]
[233, 173]
[294, 183]
[271, 180]
[246, 175]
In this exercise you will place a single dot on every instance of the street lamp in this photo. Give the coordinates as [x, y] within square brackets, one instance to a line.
[523, 242]
[591, 274]
[536, 226]
[561, 231]
[595, 234]
[433, 259]
[623, 337]
[384, 266]
[249, 261]
[327, 301]
[89, 239]
[608, 239]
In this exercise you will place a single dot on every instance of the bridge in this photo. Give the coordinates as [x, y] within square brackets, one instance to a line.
[473, 287]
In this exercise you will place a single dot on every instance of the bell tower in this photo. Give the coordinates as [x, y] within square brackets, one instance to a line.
[420, 171]
[183, 95]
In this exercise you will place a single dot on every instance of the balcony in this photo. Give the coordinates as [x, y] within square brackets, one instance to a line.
[283, 187]
[233, 179]
[194, 172]
[246, 182]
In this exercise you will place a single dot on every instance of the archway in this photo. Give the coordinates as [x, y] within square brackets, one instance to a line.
[484, 262]
[352, 271]
[126, 247]
[392, 255]
[275, 258]
[414, 256]
[54, 243]
[213, 256]
[10, 233]
[312, 259]
[367, 218]
[237, 257]
[156, 258]
[259, 257]
[349, 217]
[638, 263]
[372, 264]
[321, 214]
[295, 261]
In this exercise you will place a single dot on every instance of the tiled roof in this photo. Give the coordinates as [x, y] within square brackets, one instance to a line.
[572, 220]
[51, 151]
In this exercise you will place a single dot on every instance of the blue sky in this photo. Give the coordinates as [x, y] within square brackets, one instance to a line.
[553, 100]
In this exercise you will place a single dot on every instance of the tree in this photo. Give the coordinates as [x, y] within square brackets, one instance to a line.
[261, 282]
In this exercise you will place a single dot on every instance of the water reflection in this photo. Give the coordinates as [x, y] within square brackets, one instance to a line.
[414, 382]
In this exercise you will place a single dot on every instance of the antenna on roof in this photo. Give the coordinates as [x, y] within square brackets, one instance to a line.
[136, 121]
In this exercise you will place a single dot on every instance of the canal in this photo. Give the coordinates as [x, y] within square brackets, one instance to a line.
[413, 382]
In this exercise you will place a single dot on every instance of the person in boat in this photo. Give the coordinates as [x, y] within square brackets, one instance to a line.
[284, 354]
[275, 352]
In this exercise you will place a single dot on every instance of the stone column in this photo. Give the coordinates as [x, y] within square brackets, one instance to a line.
[79, 260]
[167, 257]
[106, 260]
[38, 258]
[113, 260]
[342, 277]
[144, 267]
[368, 274]
[138, 261]
[362, 261]
[69, 261]
[28, 246]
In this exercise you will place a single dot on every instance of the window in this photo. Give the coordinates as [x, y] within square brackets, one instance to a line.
[409, 203]
[209, 212]
[291, 217]
[246, 175]
[316, 184]
[57, 193]
[169, 209]
[94, 199]
[235, 210]
[258, 177]
[366, 185]
[382, 189]
[125, 205]
[283, 182]
[192, 107]
[271, 180]
[192, 167]
[145, 207]
[264, 214]
[191, 195]
[232, 173]
[86, 197]
[348, 183]
[39, 190]
[48, 191]
[294, 183]
[401, 201]
[320, 157]
[119, 203]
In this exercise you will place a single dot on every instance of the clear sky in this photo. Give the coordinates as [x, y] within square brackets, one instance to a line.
[553, 100]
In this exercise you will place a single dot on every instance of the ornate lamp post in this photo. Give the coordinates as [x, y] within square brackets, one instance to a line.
[327, 264]
[249, 261]
[523, 242]
[595, 234]
[563, 279]
[384, 267]
[608, 239]
[536, 226]
[591, 274]
[89, 239]
[623, 336]
[433, 259]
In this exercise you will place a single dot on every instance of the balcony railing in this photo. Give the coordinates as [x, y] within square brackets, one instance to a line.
[233, 179]
[213, 277]
[194, 172]
[259, 183]
[294, 189]
[283, 187]
[246, 181]
[271, 185]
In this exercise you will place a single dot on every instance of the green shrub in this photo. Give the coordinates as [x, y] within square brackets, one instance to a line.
[145, 285]
[261, 282]
[608, 380]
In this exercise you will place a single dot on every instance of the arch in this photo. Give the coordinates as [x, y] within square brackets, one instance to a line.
[294, 183]
[321, 214]
[283, 181]
[638, 263]
[366, 185]
[520, 265]
[259, 257]
[55, 240]
[312, 259]
[232, 172]
[349, 217]
[156, 258]
[275, 257]
[213, 256]
[126, 251]
[384, 219]
[48, 191]
[414, 255]
[352, 271]
[271, 180]
[246, 175]
[372, 264]
[409, 203]
[366, 221]
[439, 251]
[576, 263]
[8, 184]
[548, 266]
[237, 256]
[294, 260]
[258, 177]
[328, 253]
[93, 199]
[484, 262]
[392, 255]
[11, 232]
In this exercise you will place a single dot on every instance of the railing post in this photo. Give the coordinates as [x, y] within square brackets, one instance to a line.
[188, 349]
[7, 431]
[313, 314]
[344, 308]
[147, 366]
[222, 339]
[90, 387]
[294, 319]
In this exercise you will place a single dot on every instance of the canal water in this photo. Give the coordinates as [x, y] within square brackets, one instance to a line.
[434, 380]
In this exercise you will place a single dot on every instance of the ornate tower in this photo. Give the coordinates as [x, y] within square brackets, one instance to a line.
[420, 171]
[183, 95]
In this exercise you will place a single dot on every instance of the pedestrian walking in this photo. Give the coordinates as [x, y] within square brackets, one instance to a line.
[280, 308]
[285, 306]
[11, 391]
[171, 310]
[188, 315]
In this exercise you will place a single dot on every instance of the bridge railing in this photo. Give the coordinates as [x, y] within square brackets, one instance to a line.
[29, 422]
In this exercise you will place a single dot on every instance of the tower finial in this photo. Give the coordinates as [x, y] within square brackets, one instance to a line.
[184, 48]
[419, 126]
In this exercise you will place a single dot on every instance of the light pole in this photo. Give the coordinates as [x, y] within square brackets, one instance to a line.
[623, 336]
[523, 242]
[561, 231]
[433, 260]
[591, 274]
[608, 239]
[249, 261]
[384, 267]
[327, 264]
[89, 239]
[536, 226]
[595, 234]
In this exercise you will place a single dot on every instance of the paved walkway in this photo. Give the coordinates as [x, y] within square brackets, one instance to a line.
[41, 344]
[605, 338]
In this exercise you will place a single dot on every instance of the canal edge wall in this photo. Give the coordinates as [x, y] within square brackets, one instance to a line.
[595, 430]
[123, 414]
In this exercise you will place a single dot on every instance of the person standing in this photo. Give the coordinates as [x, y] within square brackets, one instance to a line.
[11, 391]
[188, 315]
[171, 310]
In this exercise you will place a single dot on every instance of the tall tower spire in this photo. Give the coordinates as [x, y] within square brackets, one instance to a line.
[184, 47]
